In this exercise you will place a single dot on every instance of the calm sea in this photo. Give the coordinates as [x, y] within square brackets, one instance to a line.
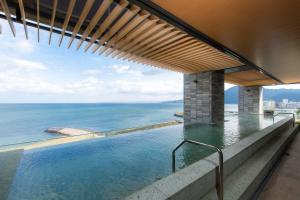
[27, 122]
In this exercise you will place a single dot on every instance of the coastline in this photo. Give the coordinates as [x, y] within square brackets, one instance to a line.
[93, 135]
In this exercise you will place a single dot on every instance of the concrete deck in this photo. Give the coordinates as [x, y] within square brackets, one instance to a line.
[284, 182]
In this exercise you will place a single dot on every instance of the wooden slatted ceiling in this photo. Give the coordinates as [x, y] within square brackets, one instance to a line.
[249, 78]
[127, 32]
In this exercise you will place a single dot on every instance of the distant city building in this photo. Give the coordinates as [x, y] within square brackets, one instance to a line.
[269, 105]
[288, 104]
[285, 101]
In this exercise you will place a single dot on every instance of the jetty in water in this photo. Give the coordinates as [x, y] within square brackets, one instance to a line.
[70, 131]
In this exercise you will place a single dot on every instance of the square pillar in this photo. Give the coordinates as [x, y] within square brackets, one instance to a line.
[204, 97]
[251, 99]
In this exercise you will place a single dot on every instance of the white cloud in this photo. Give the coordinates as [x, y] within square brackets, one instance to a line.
[153, 87]
[24, 46]
[93, 72]
[290, 86]
[120, 68]
[125, 69]
[28, 64]
[15, 63]
[16, 45]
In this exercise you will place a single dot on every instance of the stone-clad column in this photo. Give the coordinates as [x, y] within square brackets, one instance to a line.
[204, 97]
[251, 99]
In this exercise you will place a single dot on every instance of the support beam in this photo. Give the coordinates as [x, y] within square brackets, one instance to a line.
[204, 97]
[251, 99]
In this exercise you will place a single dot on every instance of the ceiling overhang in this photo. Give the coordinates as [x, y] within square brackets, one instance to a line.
[263, 34]
[132, 30]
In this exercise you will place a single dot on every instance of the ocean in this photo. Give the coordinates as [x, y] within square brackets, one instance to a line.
[21, 123]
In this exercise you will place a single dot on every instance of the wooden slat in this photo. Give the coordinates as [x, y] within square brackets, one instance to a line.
[182, 65]
[84, 13]
[107, 22]
[21, 5]
[52, 19]
[38, 19]
[124, 31]
[170, 51]
[193, 49]
[142, 37]
[211, 57]
[99, 13]
[176, 66]
[167, 47]
[163, 39]
[135, 33]
[154, 37]
[128, 15]
[67, 19]
[163, 43]
[8, 17]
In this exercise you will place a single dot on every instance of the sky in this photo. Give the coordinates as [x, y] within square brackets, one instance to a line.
[32, 72]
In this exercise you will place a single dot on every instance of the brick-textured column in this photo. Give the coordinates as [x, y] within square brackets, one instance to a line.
[204, 97]
[251, 99]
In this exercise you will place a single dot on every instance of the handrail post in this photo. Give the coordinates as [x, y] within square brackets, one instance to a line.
[294, 118]
[220, 187]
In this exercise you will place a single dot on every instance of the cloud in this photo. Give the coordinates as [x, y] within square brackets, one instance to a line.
[149, 87]
[290, 86]
[120, 68]
[125, 69]
[16, 45]
[15, 63]
[93, 72]
[28, 64]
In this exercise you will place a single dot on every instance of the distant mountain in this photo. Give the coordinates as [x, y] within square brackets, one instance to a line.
[231, 95]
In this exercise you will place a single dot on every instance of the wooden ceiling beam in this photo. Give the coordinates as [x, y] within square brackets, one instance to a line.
[85, 11]
[99, 13]
[52, 19]
[107, 22]
[67, 19]
[22, 10]
[8, 16]
[128, 15]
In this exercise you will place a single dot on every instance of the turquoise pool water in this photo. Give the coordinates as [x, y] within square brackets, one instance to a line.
[114, 167]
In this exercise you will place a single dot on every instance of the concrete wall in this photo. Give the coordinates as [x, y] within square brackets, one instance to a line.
[204, 97]
[251, 99]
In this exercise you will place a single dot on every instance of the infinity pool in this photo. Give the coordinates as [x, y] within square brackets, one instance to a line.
[114, 167]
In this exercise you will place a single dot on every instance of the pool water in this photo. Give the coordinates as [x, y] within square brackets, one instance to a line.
[114, 167]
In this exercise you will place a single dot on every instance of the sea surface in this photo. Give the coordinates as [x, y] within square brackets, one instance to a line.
[21, 123]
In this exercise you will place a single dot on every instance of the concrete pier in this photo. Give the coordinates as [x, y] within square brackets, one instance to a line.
[251, 99]
[204, 97]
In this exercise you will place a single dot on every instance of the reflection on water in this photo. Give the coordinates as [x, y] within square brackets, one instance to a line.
[234, 129]
[114, 167]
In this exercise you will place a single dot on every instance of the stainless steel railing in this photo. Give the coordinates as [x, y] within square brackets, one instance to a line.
[220, 167]
[285, 113]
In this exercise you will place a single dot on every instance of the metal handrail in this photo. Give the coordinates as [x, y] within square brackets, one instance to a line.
[285, 113]
[220, 172]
